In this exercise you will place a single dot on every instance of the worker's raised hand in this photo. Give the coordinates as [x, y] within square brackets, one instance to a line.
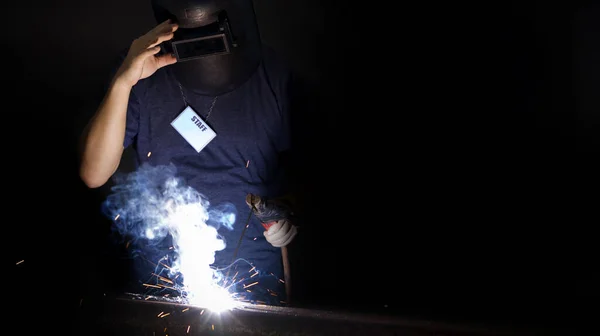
[141, 60]
[281, 233]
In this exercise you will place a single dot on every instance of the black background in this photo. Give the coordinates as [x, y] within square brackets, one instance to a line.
[455, 175]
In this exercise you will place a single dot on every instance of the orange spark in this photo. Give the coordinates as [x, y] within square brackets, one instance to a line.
[250, 285]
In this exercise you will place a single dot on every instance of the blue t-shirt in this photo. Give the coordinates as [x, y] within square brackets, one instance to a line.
[253, 129]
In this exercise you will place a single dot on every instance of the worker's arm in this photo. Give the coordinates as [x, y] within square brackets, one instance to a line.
[102, 143]
[103, 137]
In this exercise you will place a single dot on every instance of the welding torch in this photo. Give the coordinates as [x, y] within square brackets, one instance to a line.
[269, 212]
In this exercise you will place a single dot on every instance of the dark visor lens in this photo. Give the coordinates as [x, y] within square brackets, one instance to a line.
[205, 46]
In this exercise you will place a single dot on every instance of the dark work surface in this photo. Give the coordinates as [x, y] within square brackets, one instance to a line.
[127, 316]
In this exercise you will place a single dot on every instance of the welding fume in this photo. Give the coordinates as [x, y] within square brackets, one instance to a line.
[205, 106]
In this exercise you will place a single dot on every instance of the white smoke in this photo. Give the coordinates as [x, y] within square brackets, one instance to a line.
[152, 204]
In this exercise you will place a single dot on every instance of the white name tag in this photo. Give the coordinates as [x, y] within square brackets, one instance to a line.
[193, 129]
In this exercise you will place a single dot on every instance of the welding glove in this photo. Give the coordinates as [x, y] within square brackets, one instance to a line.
[281, 233]
[275, 215]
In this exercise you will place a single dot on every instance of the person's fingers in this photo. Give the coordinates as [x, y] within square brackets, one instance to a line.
[160, 26]
[277, 242]
[158, 34]
[170, 28]
[285, 240]
[277, 229]
[150, 51]
[273, 229]
[283, 227]
[162, 36]
[164, 60]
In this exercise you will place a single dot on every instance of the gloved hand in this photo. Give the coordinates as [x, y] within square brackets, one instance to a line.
[281, 233]
[275, 217]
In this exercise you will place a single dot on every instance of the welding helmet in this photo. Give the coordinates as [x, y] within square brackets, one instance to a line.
[217, 44]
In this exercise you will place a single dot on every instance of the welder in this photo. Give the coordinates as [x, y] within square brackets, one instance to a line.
[201, 91]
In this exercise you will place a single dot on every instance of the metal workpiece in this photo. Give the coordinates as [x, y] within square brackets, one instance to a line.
[134, 315]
